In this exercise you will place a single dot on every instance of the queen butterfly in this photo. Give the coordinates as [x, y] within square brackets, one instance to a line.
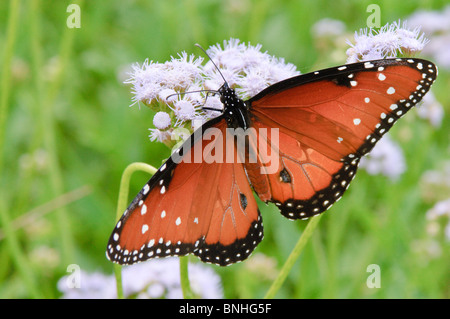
[325, 120]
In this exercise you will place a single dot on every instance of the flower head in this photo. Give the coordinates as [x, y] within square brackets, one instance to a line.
[161, 120]
[388, 42]
[246, 68]
[179, 89]
[155, 279]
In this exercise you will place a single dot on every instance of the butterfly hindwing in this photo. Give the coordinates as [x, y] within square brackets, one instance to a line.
[300, 180]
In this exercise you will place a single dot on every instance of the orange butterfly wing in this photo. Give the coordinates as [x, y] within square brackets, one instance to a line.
[327, 121]
[181, 209]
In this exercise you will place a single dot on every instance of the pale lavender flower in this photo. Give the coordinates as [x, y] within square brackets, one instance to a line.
[183, 71]
[150, 79]
[386, 158]
[253, 83]
[246, 68]
[184, 85]
[91, 286]
[160, 279]
[184, 110]
[160, 135]
[213, 102]
[161, 120]
[154, 279]
[388, 42]
[228, 57]
[145, 80]
[167, 95]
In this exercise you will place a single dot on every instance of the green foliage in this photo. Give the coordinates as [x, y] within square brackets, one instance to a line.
[67, 127]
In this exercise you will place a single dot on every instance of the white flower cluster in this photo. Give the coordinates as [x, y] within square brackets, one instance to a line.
[388, 42]
[245, 68]
[180, 88]
[155, 279]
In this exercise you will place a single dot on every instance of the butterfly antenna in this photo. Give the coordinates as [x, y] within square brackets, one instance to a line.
[218, 70]
[188, 92]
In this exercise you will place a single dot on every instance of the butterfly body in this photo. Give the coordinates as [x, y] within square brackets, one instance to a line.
[235, 110]
[302, 140]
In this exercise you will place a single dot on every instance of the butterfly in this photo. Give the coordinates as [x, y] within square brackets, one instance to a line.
[201, 200]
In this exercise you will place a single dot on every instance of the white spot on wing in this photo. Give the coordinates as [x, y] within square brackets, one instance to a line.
[146, 189]
[391, 90]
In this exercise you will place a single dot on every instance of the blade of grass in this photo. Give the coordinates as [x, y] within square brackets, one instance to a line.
[38, 212]
[49, 138]
[15, 251]
[184, 278]
[11, 35]
[18, 256]
[55, 172]
[285, 270]
[122, 202]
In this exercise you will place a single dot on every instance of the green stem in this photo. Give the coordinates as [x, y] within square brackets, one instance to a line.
[306, 235]
[184, 278]
[55, 174]
[18, 256]
[11, 35]
[122, 205]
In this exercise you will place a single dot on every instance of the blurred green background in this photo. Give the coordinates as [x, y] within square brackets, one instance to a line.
[67, 134]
